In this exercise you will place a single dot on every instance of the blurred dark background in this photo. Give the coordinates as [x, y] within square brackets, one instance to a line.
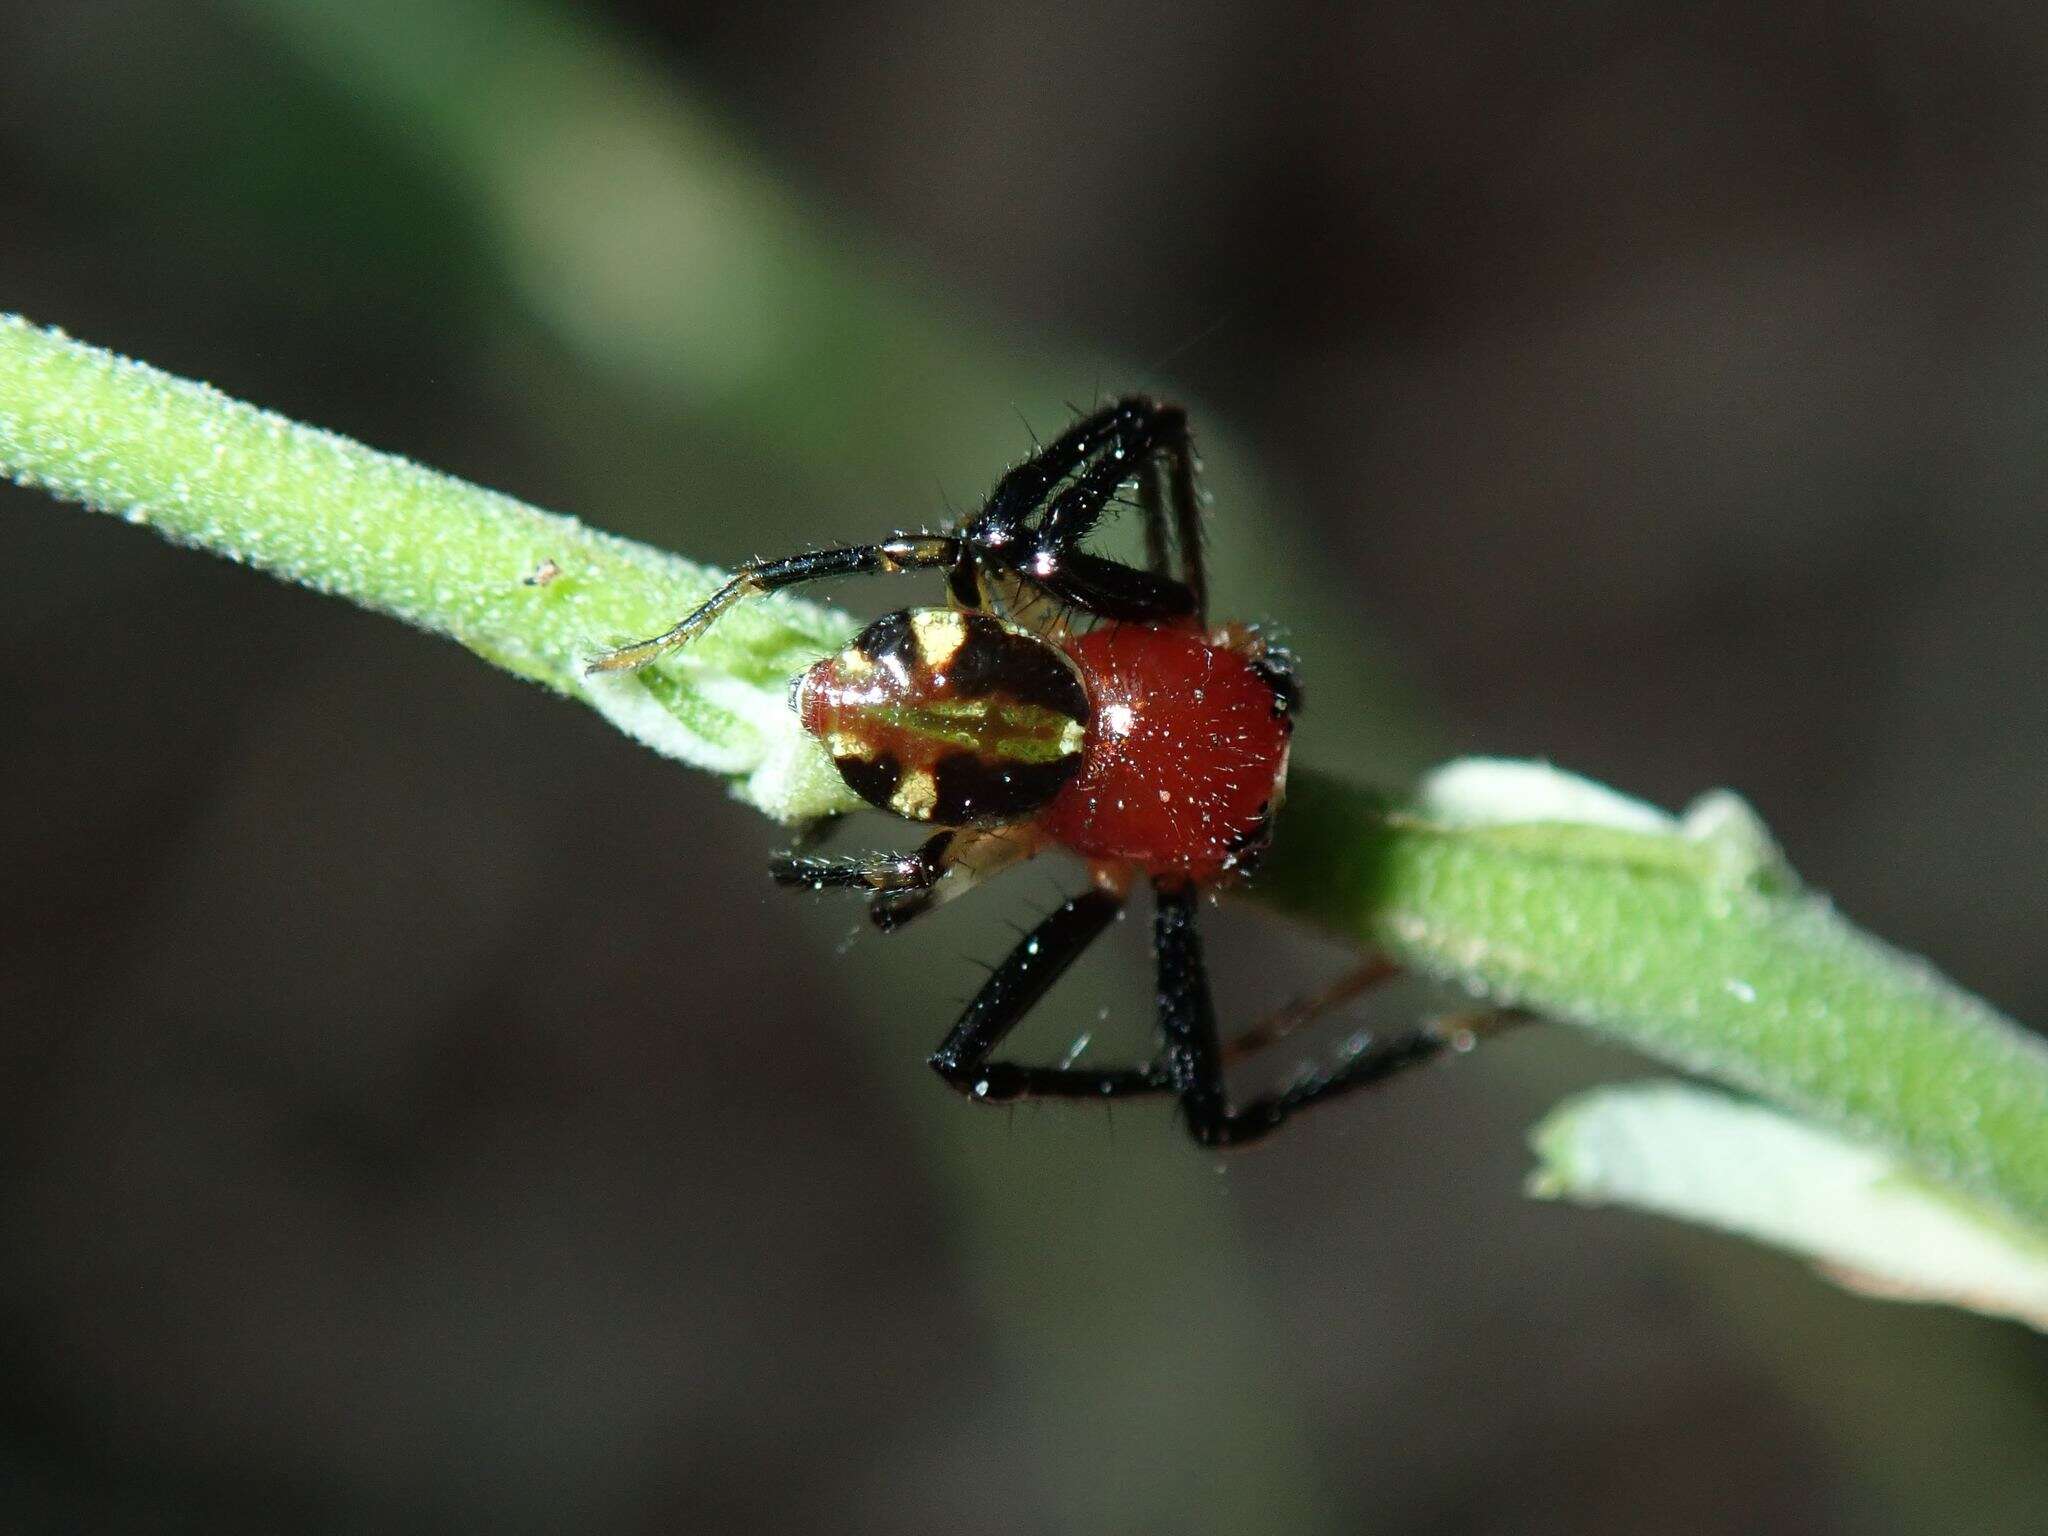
[418, 1112]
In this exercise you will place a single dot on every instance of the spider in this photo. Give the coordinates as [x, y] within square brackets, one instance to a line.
[1062, 699]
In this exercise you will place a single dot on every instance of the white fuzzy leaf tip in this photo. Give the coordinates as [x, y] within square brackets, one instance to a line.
[1854, 1210]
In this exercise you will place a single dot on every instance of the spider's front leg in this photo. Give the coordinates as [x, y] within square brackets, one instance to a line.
[1107, 589]
[912, 552]
[1133, 439]
[1169, 484]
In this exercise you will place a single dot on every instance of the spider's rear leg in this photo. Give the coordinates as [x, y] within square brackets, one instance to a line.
[1011, 991]
[1458, 1029]
[1194, 1057]
[1297, 1015]
[914, 552]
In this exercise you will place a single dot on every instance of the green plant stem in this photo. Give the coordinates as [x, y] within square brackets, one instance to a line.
[530, 591]
[1734, 977]
[1691, 949]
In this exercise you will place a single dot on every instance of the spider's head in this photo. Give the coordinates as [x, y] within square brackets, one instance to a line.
[940, 715]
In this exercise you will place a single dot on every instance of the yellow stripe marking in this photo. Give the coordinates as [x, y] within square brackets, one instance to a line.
[940, 634]
[846, 744]
[917, 796]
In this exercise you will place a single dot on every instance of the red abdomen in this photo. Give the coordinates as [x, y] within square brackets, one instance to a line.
[1185, 758]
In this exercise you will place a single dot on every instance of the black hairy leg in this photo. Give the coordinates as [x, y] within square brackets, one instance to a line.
[914, 552]
[1194, 1056]
[1065, 485]
[1134, 439]
[1013, 988]
[1191, 1065]
[902, 886]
